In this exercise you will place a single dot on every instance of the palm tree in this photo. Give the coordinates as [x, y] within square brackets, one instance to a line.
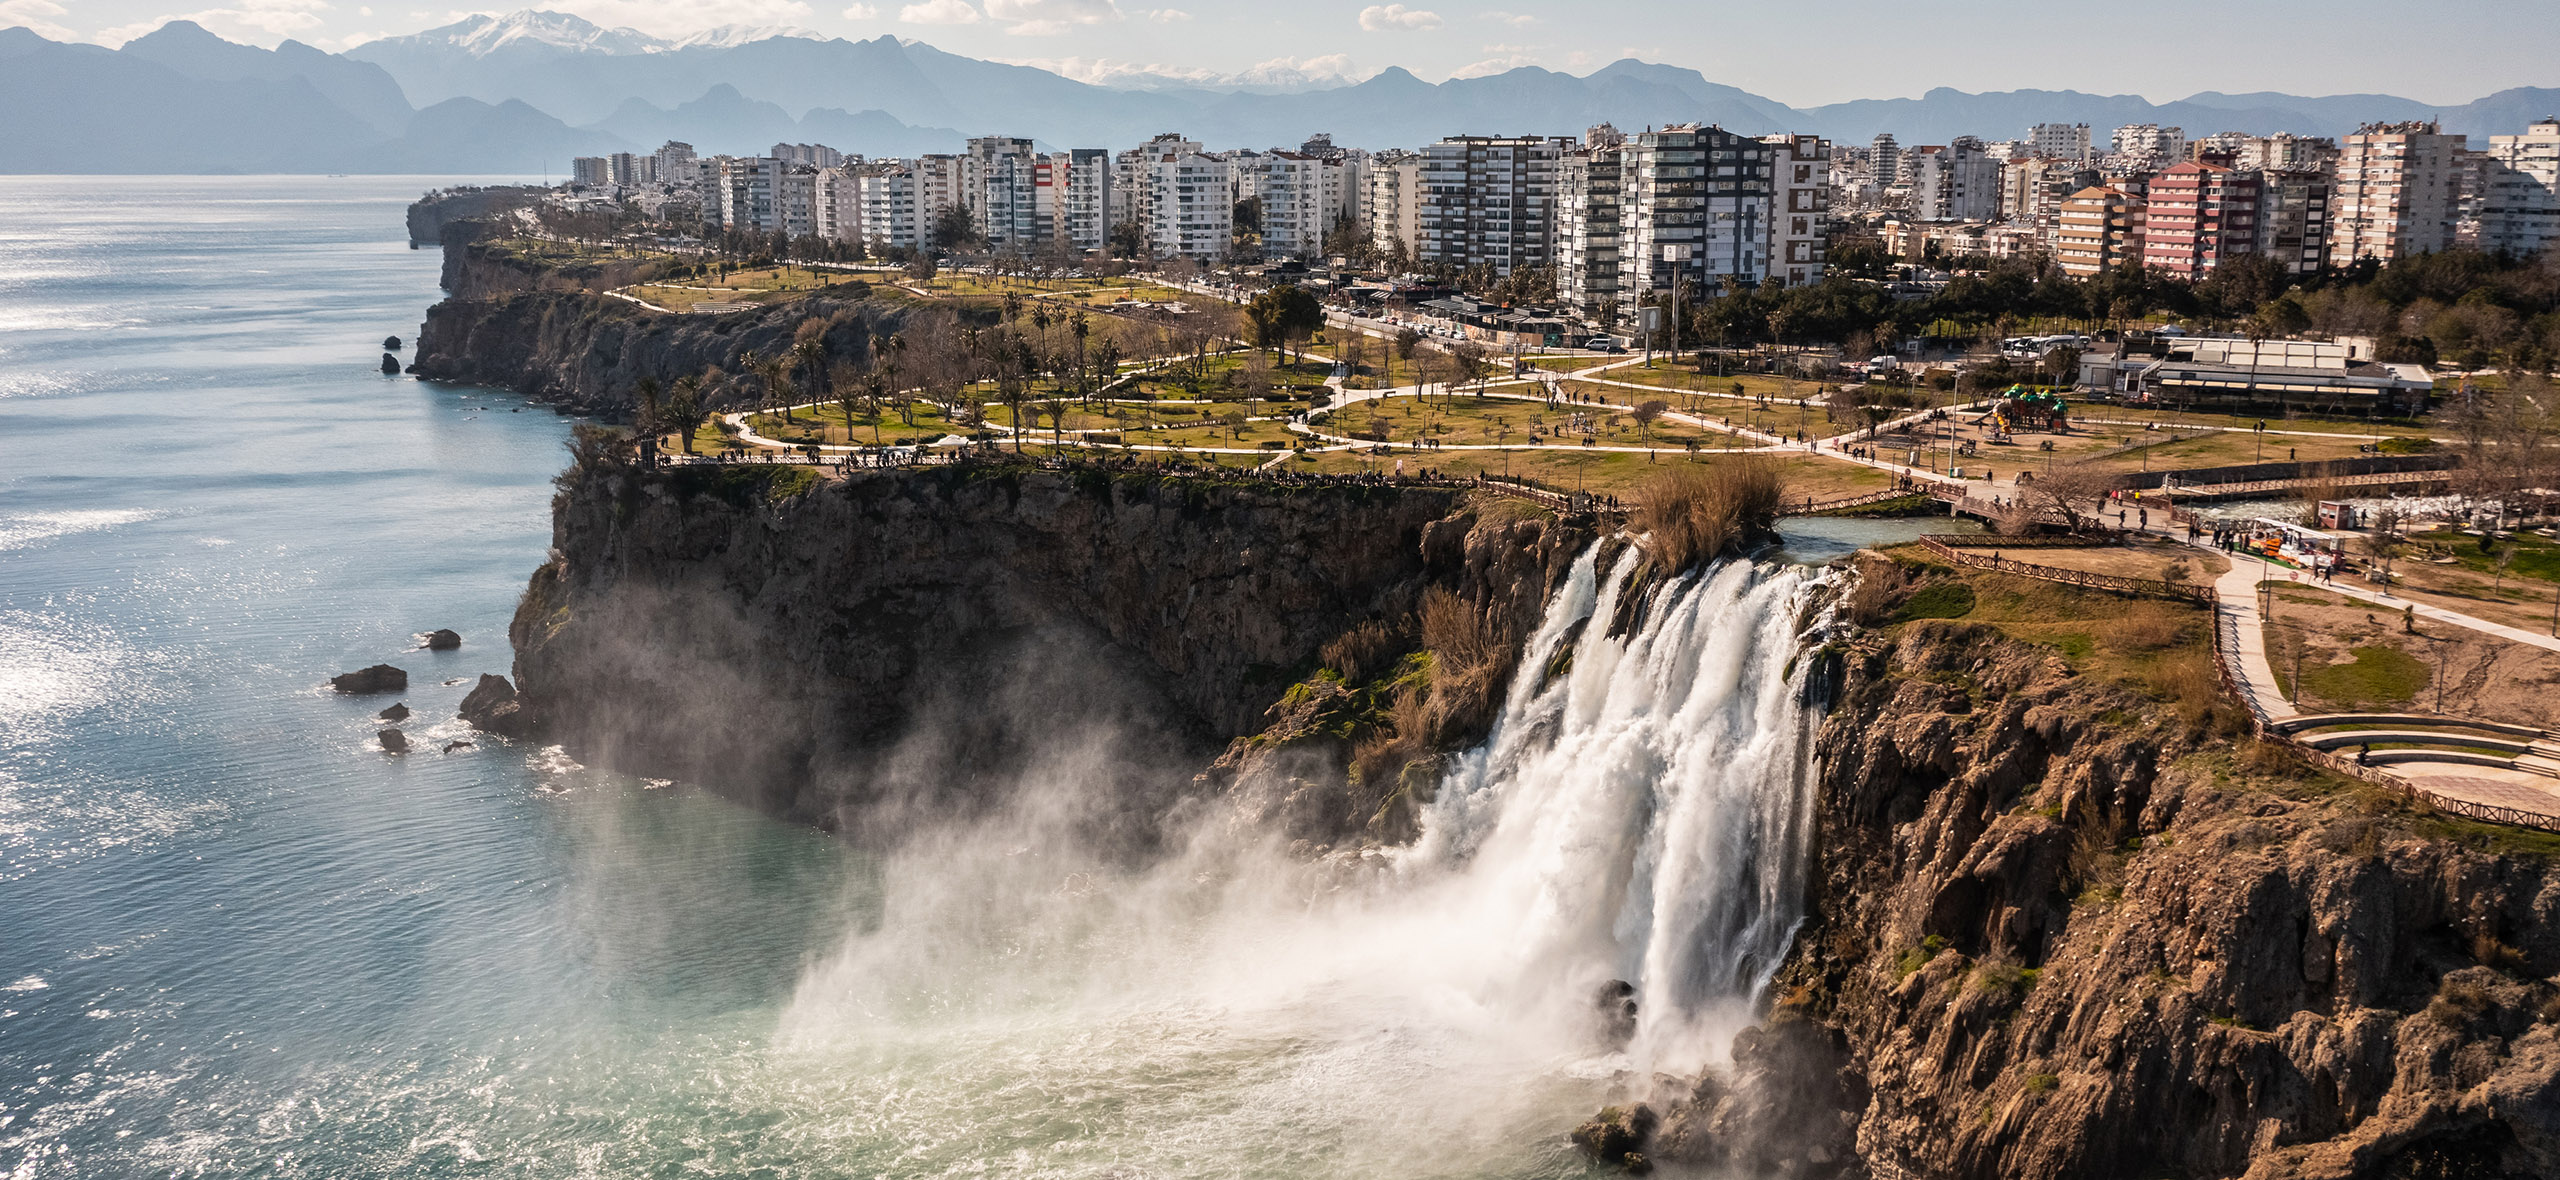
[811, 355]
[686, 409]
[1078, 328]
[647, 423]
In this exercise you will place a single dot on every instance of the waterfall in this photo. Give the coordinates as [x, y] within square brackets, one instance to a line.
[1643, 814]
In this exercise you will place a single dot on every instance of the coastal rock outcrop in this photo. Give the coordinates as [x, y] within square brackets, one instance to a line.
[760, 628]
[442, 639]
[493, 707]
[366, 681]
[393, 741]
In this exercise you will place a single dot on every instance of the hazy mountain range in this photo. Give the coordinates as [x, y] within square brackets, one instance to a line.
[523, 93]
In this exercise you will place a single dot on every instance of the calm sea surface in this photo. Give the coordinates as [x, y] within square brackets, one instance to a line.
[238, 940]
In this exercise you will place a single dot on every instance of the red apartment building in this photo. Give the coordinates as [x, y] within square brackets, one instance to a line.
[2199, 214]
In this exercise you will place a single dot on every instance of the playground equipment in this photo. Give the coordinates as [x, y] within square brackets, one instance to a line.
[2019, 408]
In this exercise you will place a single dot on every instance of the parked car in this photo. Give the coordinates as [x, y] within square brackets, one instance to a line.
[1604, 344]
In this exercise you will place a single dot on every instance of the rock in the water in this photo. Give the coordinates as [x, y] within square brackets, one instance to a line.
[450, 747]
[492, 707]
[1616, 1136]
[393, 741]
[443, 640]
[1616, 1002]
[378, 678]
[390, 344]
[399, 712]
[390, 365]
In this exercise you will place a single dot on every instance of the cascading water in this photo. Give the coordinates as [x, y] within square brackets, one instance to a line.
[1639, 813]
[1644, 811]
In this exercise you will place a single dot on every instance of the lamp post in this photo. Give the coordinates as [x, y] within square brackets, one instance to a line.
[1677, 255]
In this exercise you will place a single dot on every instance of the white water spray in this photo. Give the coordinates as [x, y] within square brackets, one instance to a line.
[1638, 815]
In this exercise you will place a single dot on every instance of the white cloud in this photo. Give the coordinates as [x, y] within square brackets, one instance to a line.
[1495, 65]
[862, 12]
[940, 12]
[1167, 16]
[1331, 69]
[37, 16]
[1381, 17]
[680, 18]
[1517, 20]
[1048, 18]
[250, 20]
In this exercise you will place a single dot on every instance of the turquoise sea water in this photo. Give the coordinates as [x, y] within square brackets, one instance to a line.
[238, 940]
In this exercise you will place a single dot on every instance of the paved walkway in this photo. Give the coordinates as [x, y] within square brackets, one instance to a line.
[2487, 785]
[2236, 611]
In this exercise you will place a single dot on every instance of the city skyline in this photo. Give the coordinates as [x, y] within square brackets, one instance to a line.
[1866, 51]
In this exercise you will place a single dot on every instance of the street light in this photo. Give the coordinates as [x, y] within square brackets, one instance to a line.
[1677, 254]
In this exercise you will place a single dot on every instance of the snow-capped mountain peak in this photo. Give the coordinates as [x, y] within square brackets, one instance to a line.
[730, 36]
[480, 35]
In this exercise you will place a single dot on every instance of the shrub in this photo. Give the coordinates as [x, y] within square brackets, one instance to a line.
[1362, 652]
[1937, 600]
[1693, 513]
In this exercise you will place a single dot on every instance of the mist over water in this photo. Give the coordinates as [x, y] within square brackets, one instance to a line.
[234, 940]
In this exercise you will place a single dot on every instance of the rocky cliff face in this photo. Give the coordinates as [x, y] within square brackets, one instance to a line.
[544, 334]
[2062, 929]
[840, 647]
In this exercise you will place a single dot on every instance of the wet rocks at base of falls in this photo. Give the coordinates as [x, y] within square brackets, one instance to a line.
[367, 681]
[396, 713]
[393, 741]
[442, 639]
[1786, 1107]
[493, 707]
[1615, 1004]
[1616, 1137]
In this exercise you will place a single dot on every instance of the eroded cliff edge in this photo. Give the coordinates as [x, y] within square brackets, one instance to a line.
[840, 647]
[2071, 920]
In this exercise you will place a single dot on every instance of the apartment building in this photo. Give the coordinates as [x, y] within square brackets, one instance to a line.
[839, 202]
[1000, 186]
[2284, 152]
[1954, 182]
[2196, 216]
[811, 155]
[2147, 147]
[1695, 204]
[1800, 208]
[1079, 188]
[2399, 192]
[590, 171]
[795, 200]
[675, 163]
[1589, 207]
[746, 193]
[2059, 141]
[1132, 177]
[1291, 187]
[1884, 161]
[2293, 219]
[2519, 186]
[1393, 201]
[1489, 201]
[1190, 205]
[2032, 192]
[893, 215]
[2098, 229]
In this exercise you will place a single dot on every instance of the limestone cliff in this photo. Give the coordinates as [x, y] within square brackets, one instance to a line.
[545, 333]
[2068, 924]
[839, 647]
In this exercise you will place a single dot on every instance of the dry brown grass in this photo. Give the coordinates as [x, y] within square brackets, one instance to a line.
[1471, 657]
[1694, 513]
[1363, 651]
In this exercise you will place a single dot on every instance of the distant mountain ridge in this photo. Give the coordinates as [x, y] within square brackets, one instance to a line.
[523, 93]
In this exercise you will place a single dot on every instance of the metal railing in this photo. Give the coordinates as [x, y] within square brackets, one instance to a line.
[2155, 587]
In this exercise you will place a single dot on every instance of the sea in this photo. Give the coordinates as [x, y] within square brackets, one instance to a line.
[238, 938]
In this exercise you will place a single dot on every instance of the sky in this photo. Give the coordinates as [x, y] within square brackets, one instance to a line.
[1801, 52]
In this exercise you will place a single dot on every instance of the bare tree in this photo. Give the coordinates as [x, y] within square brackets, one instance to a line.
[2073, 491]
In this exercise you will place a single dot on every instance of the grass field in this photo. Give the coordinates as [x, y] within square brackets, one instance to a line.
[769, 284]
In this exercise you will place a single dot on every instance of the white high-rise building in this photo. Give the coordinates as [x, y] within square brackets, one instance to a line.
[1394, 201]
[1190, 205]
[839, 203]
[2520, 190]
[1489, 201]
[2399, 192]
[675, 163]
[1695, 205]
[1956, 182]
[2149, 147]
[1001, 190]
[1132, 179]
[1080, 181]
[749, 193]
[1884, 161]
[1590, 213]
[1291, 188]
[2059, 141]
[892, 217]
[1800, 208]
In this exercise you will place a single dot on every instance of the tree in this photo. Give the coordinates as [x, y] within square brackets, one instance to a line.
[1234, 421]
[1128, 240]
[648, 420]
[1407, 340]
[2074, 491]
[1646, 413]
[1283, 314]
[685, 409]
[1079, 327]
[954, 229]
